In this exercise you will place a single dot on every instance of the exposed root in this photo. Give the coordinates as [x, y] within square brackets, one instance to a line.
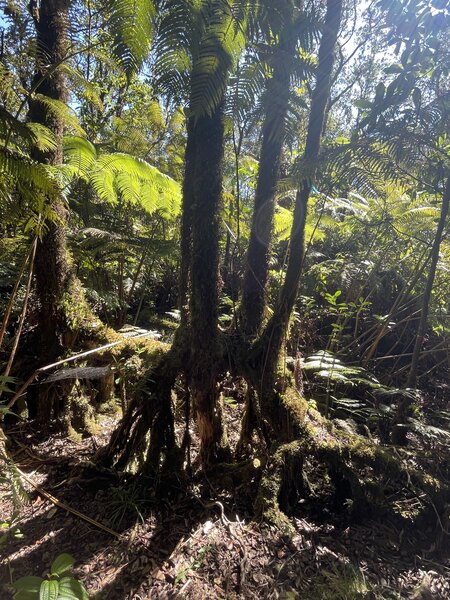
[150, 410]
[360, 471]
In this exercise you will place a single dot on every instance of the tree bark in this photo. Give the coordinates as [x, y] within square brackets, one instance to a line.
[204, 339]
[273, 135]
[270, 343]
[63, 311]
[412, 376]
[186, 220]
[52, 272]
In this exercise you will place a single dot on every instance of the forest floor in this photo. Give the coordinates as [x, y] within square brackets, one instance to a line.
[198, 547]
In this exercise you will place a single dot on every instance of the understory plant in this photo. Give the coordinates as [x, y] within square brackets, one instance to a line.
[60, 584]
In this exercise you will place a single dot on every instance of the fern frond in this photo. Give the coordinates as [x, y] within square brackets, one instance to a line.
[26, 173]
[216, 54]
[59, 110]
[43, 137]
[77, 78]
[131, 26]
[137, 181]
[80, 154]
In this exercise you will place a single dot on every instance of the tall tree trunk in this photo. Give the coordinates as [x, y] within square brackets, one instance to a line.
[186, 219]
[272, 338]
[53, 271]
[63, 311]
[258, 253]
[209, 135]
[399, 432]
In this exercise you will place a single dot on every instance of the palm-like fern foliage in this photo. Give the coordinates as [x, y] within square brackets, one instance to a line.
[197, 44]
[130, 24]
[20, 175]
[118, 174]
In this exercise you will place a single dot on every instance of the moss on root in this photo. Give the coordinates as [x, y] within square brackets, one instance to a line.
[359, 469]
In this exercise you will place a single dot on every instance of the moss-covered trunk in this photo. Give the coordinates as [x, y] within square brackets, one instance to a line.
[268, 347]
[204, 338]
[186, 219]
[195, 350]
[52, 270]
[273, 135]
[63, 310]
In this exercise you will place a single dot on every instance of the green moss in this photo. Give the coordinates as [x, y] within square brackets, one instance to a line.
[77, 312]
[266, 503]
[295, 405]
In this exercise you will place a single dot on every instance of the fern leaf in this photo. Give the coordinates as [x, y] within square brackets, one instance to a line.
[131, 26]
[60, 110]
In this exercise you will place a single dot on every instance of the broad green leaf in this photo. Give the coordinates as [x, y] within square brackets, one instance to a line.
[71, 589]
[28, 584]
[49, 590]
[62, 563]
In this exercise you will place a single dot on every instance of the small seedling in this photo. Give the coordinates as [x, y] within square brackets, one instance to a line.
[59, 584]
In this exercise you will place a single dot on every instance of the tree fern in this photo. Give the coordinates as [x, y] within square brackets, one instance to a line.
[59, 110]
[30, 176]
[283, 225]
[119, 174]
[130, 24]
[197, 44]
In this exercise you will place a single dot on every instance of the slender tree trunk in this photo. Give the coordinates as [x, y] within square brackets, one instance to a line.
[209, 133]
[399, 433]
[186, 219]
[53, 270]
[258, 253]
[412, 376]
[272, 337]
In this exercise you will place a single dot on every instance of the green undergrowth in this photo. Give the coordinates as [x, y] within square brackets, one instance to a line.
[367, 477]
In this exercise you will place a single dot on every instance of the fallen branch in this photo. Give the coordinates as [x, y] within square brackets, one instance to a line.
[65, 506]
[32, 377]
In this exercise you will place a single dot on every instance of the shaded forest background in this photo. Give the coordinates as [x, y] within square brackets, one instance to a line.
[232, 218]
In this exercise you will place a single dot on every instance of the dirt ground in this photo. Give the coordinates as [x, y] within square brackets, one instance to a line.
[197, 546]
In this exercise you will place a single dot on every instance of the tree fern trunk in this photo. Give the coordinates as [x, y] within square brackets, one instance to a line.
[209, 134]
[258, 253]
[53, 272]
[271, 339]
[186, 219]
[63, 310]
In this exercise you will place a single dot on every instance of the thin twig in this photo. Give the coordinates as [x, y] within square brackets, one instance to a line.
[65, 506]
